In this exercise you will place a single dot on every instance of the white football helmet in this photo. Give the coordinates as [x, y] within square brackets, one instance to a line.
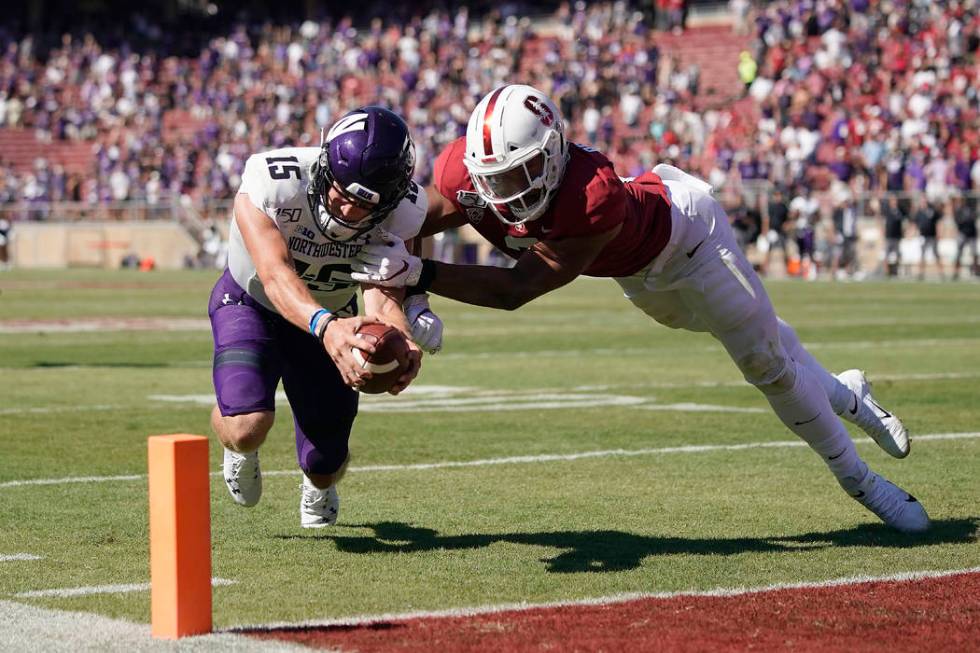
[516, 151]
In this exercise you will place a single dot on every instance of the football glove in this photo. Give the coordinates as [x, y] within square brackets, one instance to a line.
[388, 265]
[425, 325]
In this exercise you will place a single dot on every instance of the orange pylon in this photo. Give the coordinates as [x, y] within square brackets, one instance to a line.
[180, 536]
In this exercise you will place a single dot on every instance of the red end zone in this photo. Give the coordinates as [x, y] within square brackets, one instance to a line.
[933, 614]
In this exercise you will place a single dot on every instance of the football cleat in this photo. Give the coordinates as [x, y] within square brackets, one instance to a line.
[883, 427]
[318, 508]
[893, 505]
[243, 477]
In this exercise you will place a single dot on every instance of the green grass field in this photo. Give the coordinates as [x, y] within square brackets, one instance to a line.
[577, 371]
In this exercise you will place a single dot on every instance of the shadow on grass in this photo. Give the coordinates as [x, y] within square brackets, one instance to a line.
[604, 551]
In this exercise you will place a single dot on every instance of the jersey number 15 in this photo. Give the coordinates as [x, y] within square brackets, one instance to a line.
[278, 169]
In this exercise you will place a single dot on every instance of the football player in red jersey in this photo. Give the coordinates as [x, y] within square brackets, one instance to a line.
[561, 211]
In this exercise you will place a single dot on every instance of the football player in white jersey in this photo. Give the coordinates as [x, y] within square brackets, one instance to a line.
[560, 210]
[286, 306]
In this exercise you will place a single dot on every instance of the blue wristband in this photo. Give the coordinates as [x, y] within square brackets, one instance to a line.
[315, 319]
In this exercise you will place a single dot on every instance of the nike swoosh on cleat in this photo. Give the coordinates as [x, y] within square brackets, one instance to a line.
[691, 253]
[807, 421]
[854, 411]
[875, 404]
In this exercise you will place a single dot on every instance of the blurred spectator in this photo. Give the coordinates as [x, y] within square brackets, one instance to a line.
[927, 218]
[965, 214]
[774, 228]
[740, 15]
[675, 12]
[4, 243]
[804, 212]
[845, 237]
[895, 218]
[748, 69]
[744, 219]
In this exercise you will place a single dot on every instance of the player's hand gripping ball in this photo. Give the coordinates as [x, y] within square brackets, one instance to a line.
[389, 360]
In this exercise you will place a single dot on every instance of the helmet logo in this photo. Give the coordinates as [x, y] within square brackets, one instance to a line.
[364, 193]
[536, 106]
[353, 123]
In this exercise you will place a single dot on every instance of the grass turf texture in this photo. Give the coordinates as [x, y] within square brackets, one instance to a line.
[443, 538]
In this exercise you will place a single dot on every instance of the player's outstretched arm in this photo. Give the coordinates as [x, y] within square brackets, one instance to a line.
[547, 265]
[544, 267]
[289, 294]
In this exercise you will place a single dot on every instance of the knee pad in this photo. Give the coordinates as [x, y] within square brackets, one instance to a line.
[770, 371]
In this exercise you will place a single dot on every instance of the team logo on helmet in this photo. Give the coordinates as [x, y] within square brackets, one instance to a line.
[540, 109]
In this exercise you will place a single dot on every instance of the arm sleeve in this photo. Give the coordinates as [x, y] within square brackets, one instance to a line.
[449, 173]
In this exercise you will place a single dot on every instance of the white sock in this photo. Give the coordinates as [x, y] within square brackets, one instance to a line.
[805, 410]
[840, 396]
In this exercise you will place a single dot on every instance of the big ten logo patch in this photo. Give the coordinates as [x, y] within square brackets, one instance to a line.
[289, 215]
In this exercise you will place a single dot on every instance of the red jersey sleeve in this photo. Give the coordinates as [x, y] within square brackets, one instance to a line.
[449, 172]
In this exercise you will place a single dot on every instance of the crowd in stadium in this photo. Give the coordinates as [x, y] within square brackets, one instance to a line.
[841, 97]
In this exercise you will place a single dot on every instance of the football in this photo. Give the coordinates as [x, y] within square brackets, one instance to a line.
[388, 362]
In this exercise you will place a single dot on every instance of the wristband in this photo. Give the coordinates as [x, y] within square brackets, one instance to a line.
[324, 322]
[426, 277]
[315, 318]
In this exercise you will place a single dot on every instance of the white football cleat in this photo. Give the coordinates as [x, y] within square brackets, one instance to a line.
[883, 427]
[893, 505]
[318, 508]
[243, 477]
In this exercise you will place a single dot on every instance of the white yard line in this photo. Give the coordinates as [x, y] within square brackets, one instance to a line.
[493, 402]
[513, 460]
[641, 351]
[67, 592]
[448, 397]
[15, 557]
[604, 600]
[93, 324]
[74, 479]
[689, 407]
[42, 410]
[921, 376]
[102, 324]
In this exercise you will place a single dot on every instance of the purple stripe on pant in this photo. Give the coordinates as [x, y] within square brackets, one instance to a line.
[254, 348]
